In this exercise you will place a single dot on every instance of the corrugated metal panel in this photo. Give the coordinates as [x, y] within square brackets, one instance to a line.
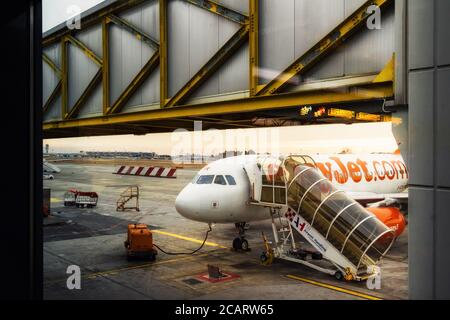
[81, 70]
[127, 57]
[49, 82]
[145, 17]
[203, 44]
[195, 35]
[148, 93]
[54, 52]
[92, 38]
[277, 37]
[313, 20]
[178, 46]
[238, 5]
[370, 50]
[93, 105]
[49, 77]
[233, 76]
[54, 110]
[289, 30]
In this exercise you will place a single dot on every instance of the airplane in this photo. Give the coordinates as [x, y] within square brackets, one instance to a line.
[375, 179]
[224, 190]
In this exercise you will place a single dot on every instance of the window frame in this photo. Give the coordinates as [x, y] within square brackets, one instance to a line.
[220, 184]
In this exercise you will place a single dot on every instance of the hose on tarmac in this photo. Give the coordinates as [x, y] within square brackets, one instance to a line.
[185, 253]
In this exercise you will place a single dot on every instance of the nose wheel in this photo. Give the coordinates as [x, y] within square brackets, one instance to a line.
[240, 243]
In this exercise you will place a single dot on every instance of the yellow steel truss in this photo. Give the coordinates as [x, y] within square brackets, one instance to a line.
[339, 34]
[269, 96]
[285, 100]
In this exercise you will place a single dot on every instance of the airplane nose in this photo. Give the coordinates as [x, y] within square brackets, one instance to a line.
[184, 205]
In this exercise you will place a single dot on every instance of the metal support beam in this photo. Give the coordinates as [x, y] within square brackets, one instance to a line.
[163, 73]
[212, 65]
[140, 35]
[86, 93]
[134, 85]
[52, 97]
[143, 73]
[92, 19]
[88, 52]
[339, 34]
[105, 69]
[51, 64]
[220, 10]
[365, 93]
[64, 78]
[253, 46]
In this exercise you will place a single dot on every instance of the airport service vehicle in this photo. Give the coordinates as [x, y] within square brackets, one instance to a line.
[48, 176]
[294, 193]
[139, 243]
[80, 199]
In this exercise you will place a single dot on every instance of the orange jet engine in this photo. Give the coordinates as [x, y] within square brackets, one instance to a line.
[391, 217]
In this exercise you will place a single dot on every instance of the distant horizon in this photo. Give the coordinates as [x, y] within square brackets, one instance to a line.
[333, 138]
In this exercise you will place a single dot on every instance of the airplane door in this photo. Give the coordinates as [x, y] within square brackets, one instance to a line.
[253, 172]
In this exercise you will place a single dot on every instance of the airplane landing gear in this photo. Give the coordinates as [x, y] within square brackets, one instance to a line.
[240, 243]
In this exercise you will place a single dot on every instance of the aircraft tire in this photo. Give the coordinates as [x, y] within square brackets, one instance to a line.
[237, 244]
[244, 245]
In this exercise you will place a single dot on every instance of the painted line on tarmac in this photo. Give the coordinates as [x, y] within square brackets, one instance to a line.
[53, 200]
[116, 271]
[141, 266]
[174, 235]
[331, 287]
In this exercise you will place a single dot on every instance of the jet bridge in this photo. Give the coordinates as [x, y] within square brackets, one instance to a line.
[340, 229]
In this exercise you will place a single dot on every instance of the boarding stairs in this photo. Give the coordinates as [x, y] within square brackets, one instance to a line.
[48, 167]
[300, 198]
[132, 192]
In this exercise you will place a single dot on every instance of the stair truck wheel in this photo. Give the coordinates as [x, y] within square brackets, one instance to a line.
[317, 256]
[266, 258]
[338, 275]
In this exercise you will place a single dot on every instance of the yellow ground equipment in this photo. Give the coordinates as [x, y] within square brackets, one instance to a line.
[139, 243]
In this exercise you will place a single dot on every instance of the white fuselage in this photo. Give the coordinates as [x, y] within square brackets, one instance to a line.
[377, 173]
[220, 203]
[230, 202]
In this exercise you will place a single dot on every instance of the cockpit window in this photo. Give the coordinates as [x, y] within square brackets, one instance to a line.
[220, 180]
[231, 180]
[207, 179]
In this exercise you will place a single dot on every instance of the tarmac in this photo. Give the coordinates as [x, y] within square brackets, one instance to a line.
[93, 240]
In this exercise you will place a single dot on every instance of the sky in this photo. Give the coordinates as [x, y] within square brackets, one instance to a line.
[56, 11]
[358, 138]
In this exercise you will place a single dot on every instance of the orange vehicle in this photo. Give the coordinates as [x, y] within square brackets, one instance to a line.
[139, 243]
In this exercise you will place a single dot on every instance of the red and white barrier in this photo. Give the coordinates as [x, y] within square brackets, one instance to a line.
[157, 172]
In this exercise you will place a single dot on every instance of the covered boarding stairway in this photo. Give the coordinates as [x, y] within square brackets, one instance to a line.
[338, 227]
